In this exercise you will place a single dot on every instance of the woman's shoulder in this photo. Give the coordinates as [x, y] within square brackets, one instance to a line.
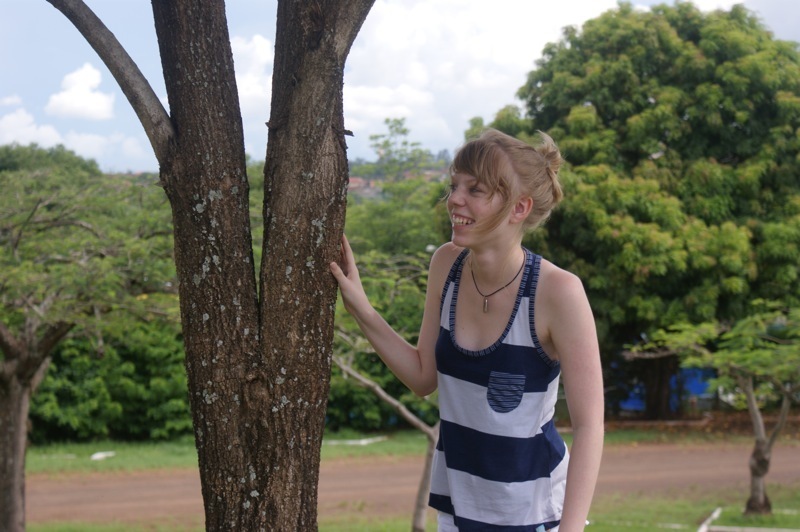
[558, 284]
[446, 254]
[443, 259]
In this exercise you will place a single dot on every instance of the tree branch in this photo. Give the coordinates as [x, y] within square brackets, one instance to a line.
[154, 118]
[54, 334]
[9, 345]
[375, 388]
[350, 10]
[782, 417]
[746, 382]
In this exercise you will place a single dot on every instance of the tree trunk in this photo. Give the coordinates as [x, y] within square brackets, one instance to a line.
[657, 386]
[14, 405]
[258, 371]
[305, 179]
[758, 502]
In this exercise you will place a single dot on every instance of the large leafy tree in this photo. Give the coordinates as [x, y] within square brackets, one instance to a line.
[71, 254]
[258, 343]
[683, 190]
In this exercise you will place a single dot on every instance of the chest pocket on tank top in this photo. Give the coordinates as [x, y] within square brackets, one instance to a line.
[504, 392]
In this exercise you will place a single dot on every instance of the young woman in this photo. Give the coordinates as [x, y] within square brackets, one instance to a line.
[501, 325]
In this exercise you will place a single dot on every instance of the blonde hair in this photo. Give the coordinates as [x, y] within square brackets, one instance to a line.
[514, 169]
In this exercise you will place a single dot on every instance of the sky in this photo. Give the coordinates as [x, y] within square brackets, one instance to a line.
[435, 63]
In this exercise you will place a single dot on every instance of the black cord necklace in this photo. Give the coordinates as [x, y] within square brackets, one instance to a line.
[487, 296]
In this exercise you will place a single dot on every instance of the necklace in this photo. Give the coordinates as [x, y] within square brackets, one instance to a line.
[487, 296]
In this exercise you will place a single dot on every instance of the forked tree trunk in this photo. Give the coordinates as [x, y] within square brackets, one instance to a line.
[259, 370]
[758, 502]
[258, 367]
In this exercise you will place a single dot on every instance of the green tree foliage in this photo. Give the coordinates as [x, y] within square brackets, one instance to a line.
[407, 218]
[135, 389]
[397, 155]
[683, 189]
[85, 254]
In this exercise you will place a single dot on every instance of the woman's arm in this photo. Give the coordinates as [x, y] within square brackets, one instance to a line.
[414, 366]
[574, 338]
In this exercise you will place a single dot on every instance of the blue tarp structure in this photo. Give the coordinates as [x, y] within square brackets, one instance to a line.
[690, 382]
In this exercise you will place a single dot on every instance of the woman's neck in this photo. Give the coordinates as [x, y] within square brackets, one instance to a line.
[494, 267]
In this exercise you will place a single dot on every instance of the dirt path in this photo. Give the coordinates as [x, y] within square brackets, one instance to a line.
[382, 487]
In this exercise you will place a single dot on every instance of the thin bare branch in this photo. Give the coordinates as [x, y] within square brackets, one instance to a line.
[782, 417]
[746, 383]
[375, 388]
[154, 118]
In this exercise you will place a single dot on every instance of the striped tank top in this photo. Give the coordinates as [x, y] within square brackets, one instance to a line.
[499, 463]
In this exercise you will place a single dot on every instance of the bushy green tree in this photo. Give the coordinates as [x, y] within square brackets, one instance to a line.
[682, 192]
[135, 388]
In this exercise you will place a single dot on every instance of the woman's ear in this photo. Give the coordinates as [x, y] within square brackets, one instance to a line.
[522, 208]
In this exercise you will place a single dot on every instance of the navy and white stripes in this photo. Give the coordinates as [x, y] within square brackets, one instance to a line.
[500, 463]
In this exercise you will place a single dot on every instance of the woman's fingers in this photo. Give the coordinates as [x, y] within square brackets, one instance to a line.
[346, 264]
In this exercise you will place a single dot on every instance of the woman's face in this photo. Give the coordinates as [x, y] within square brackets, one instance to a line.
[469, 203]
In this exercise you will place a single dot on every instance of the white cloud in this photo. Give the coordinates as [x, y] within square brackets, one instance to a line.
[12, 100]
[440, 63]
[88, 145]
[104, 148]
[253, 64]
[19, 126]
[79, 97]
[253, 58]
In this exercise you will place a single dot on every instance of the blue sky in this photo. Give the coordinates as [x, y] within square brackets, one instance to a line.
[436, 63]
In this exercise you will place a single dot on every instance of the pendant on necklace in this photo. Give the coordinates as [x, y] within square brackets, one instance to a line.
[485, 305]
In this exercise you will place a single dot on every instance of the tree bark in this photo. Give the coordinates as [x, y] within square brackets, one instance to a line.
[305, 179]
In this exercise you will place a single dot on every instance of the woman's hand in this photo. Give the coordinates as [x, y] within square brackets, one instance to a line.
[346, 274]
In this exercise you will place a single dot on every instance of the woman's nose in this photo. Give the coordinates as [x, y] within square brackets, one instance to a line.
[455, 197]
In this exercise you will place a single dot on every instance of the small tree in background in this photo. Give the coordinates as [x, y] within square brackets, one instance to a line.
[758, 365]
